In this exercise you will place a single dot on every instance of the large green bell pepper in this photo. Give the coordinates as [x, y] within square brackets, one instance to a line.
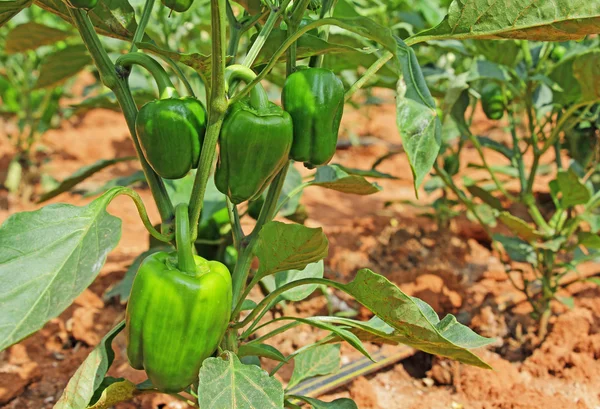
[178, 311]
[255, 142]
[314, 97]
[170, 130]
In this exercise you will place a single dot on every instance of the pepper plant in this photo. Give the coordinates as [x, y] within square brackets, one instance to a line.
[546, 95]
[190, 325]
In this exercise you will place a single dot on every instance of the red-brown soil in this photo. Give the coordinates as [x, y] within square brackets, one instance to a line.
[453, 269]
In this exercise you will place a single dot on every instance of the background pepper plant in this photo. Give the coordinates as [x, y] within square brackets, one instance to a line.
[59, 249]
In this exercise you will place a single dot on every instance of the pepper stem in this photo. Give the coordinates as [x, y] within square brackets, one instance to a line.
[185, 257]
[166, 89]
[258, 96]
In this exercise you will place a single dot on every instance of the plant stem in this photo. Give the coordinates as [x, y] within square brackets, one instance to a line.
[216, 111]
[165, 86]
[235, 33]
[139, 204]
[120, 88]
[327, 8]
[372, 70]
[141, 28]
[185, 257]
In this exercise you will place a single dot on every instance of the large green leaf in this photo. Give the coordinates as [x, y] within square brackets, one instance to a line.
[228, 383]
[416, 115]
[284, 246]
[47, 258]
[413, 322]
[321, 360]
[30, 35]
[89, 376]
[574, 192]
[113, 18]
[61, 65]
[577, 76]
[558, 20]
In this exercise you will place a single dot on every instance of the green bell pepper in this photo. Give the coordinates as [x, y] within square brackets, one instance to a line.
[178, 5]
[170, 129]
[82, 4]
[255, 142]
[178, 311]
[314, 97]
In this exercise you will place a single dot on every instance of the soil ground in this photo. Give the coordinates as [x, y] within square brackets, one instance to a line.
[451, 268]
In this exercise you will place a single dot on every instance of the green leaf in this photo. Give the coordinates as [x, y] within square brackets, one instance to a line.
[416, 115]
[122, 289]
[90, 374]
[299, 293]
[341, 403]
[559, 20]
[335, 178]
[263, 350]
[289, 247]
[369, 173]
[227, 383]
[413, 321]
[54, 71]
[293, 179]
[112, 391]
[517, 249]
[80, 175]
[9, 9]
[485, 196]
[248, 305]
[573, 191]
[586, 69]
[320, 360]
[495, 146]
[113, 18]
[30, 35]
[519, 227]
[58, 251]
[589, 240]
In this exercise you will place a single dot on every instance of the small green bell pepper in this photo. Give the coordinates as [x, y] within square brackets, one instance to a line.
[492, 101]
[178, 5]
[255, 142]
[178, 311]
[314, 97]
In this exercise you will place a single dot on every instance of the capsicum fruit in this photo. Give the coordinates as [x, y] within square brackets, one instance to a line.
[171, 129]
[177, 313]
[492, 101]
[178, 5]
[314, 97]
[82, 4]
[255, 142]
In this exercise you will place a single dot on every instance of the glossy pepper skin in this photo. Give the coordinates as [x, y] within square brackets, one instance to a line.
[178, 5]
[171, 132]
[82, 4]
[314, 97]
[255, 142]
[492, 101]
[178, 311]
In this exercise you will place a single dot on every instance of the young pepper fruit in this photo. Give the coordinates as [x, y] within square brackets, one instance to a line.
[492, 101]
[255, 142]
[170, 129]
[82, 4]
[178, 5]
[177, 313]
[314, 97]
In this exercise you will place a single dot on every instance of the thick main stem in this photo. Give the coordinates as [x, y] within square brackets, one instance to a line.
[216, 111]
[120, 88]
